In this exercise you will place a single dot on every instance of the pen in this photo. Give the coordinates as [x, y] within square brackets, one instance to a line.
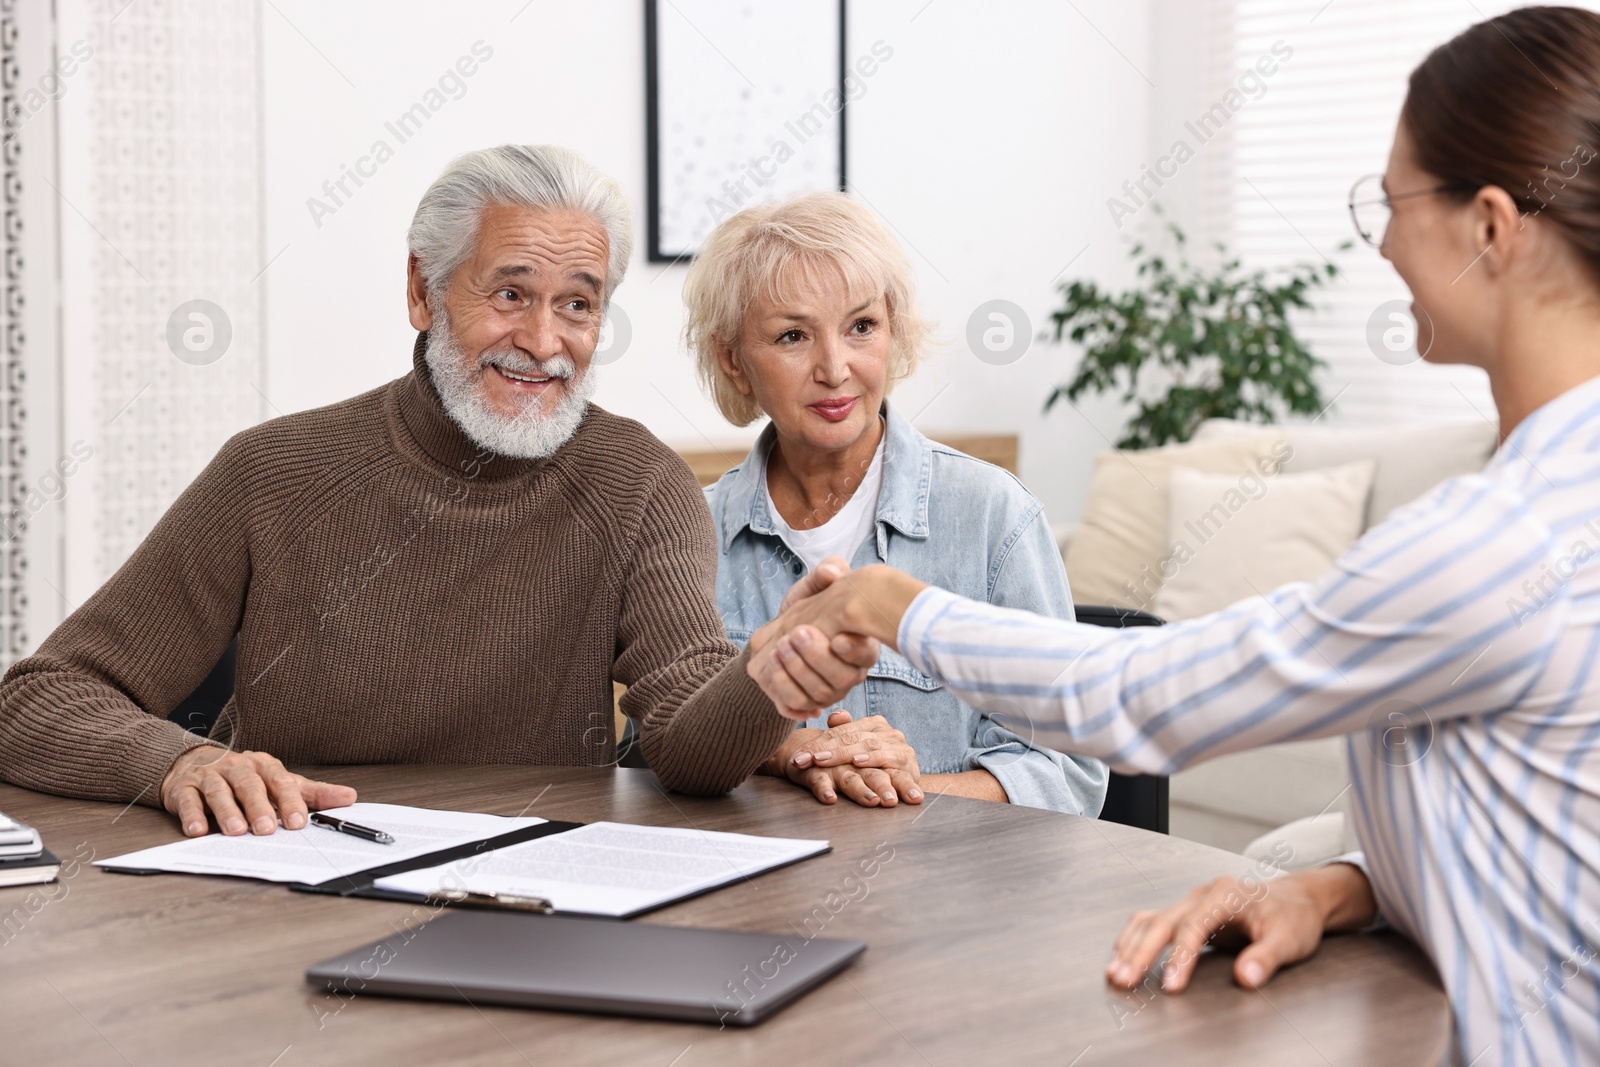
[366, 833]
[497, 900]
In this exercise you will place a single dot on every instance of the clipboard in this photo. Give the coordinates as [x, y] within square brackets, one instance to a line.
[361, 884]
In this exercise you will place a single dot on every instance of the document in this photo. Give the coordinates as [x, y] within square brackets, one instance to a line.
[609, 868]
[317, 854]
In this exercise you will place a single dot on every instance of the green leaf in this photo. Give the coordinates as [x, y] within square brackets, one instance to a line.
[1187, 344]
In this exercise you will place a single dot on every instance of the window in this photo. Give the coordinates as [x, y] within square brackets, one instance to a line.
[1276, 193]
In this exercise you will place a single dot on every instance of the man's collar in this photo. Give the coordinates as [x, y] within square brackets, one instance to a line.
[902, 502]
[426, 422]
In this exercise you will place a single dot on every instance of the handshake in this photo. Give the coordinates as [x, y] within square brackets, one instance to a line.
[828, 633]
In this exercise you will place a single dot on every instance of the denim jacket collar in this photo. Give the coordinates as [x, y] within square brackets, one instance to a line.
[902, 502]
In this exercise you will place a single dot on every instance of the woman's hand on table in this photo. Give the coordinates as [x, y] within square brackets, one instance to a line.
[208, 777]
[867, 761]
[1279, 921]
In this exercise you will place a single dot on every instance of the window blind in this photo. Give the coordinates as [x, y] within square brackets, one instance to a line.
[1277, 192]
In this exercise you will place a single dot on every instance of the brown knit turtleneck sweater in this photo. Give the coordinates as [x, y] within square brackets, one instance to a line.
[402, 597]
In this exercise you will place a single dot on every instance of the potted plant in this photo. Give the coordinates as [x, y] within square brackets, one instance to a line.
[1219, 341]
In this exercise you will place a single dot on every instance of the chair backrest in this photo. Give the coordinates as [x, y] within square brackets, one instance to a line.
[1131, 799]
[198, 711]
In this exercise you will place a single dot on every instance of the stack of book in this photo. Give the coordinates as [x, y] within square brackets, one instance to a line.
[23, 858]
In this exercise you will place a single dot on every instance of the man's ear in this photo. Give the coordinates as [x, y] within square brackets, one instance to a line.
[728, 360]
[417, 296]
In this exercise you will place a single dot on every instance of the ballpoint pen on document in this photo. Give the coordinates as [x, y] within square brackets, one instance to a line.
[513, 901]
[366, 833]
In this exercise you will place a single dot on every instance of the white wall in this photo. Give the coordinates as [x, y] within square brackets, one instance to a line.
[989, 140]
[157, 201]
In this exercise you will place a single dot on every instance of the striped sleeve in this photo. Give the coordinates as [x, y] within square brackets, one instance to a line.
[1428, 617]
[1358, 860]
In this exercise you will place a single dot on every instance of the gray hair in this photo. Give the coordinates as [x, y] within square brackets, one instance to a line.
[445, 227]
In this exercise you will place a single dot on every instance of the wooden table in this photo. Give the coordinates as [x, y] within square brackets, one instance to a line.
[989, 929]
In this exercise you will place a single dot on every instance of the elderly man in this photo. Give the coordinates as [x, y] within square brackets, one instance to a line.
[452, 568]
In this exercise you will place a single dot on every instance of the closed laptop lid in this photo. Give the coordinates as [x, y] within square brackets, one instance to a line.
[595, 965]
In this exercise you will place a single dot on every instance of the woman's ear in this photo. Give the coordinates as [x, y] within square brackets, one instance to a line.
[1500, 228]
[733, 367]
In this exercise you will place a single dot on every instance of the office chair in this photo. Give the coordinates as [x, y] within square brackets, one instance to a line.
[198, 711]
[1131, 799]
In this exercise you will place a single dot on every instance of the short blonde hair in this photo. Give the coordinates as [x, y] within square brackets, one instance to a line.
[751, 255]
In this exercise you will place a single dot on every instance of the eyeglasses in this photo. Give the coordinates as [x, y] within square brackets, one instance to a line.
[1371, 207]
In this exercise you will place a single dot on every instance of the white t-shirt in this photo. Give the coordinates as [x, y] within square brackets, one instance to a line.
[842, 534]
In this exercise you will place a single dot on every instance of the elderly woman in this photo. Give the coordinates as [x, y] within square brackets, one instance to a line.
[803, 311]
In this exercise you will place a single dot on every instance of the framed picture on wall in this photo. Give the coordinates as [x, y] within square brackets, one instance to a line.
[745, 104]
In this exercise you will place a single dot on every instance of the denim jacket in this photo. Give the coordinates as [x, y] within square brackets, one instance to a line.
[950, 520]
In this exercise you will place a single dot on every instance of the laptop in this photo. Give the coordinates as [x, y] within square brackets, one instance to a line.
[724, 977]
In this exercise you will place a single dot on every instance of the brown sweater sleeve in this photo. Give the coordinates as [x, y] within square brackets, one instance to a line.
[704, 725]
[85, 716]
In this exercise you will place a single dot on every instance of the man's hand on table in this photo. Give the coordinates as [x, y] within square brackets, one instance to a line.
[222, 781]
[868, 761]
[827, 633]
[1280, 921]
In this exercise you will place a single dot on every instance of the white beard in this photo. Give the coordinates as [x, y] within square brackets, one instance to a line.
[529, 434]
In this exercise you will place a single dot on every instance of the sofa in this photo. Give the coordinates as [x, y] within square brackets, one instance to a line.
[1241, 509]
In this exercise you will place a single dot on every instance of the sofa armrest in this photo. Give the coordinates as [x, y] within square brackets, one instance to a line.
[1064, 532]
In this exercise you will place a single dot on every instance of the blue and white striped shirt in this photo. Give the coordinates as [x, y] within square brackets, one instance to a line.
[1457, 646]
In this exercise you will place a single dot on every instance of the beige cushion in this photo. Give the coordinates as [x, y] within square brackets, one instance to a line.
[1233, 538]
[1122, 541]
[1305, 843]
[1411, 459]
[1270, 785]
